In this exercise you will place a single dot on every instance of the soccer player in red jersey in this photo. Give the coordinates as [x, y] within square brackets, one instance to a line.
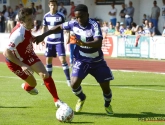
[22, 60]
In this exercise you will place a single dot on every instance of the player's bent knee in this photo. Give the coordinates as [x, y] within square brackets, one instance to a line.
[44, 75]
[74, 85]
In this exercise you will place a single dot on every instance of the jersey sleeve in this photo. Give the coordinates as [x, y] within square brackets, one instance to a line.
[15, 39]
[44, 22]
[62, 16]
[96, 31]
[68, 25]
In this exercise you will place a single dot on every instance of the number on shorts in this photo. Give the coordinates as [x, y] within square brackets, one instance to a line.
[77, 65]
[31, 60]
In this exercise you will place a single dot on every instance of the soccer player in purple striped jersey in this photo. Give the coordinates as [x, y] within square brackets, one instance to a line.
[88, 56]
[55, 41]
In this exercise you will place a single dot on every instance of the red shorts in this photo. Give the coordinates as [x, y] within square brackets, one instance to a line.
[32, 59]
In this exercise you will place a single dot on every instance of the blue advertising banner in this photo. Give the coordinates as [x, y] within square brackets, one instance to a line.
[127, 46]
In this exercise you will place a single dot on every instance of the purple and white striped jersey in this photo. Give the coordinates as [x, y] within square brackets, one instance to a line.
[86, 34]
[51, 21]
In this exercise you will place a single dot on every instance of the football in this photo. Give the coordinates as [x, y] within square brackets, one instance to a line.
[64, 114]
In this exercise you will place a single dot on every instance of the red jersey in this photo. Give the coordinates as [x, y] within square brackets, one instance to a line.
[72, 11]
[21, 42]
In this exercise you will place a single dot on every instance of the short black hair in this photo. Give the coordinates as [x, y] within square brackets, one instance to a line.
[81, 7]
[155, 1]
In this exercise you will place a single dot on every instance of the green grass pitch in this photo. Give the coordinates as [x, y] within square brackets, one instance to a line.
[138, 99]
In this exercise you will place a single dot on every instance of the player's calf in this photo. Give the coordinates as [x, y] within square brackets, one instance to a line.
[30, 90]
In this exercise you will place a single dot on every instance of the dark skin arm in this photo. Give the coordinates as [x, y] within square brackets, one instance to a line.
[96, 43]
[53, 30]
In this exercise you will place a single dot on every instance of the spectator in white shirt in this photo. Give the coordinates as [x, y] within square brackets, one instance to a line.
[163, 33]
[39, 14]
[112, 14]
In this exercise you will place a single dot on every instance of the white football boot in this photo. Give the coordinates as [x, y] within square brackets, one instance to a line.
[68, 82]
[59, 103]
[32, 92]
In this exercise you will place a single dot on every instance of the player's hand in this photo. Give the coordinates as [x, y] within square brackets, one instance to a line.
[43, 43]
[80, 43]
[27, 69]
[38, 39]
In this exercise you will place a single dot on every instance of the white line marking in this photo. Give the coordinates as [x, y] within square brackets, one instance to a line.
[120, 87]
[140, 89]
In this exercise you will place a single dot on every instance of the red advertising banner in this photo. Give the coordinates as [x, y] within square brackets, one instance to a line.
[107, 46]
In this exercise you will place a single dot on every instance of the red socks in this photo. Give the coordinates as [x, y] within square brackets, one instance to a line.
[50, 85]
[27, 87]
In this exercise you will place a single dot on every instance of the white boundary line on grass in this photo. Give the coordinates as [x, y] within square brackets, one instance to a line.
[120, 87]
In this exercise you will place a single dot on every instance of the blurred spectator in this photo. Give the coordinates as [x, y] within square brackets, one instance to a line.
[71, 15]
[4, 9]
[146, 28]
[104, 29]
[112, 14]
[122, 13]
[2, 22]
[140, 31]
[117, 24]
[33, 9]
[129, 14]
[122, 28]
[36, 9]
[128, 31]
[111, 30]
[155, 13]
[72, 45]
[117, 32]
[16, 12]
[151, 29]
[145, 17]
[11, 19]
[20, 6]
[134, 28]
[110, 23]
[37, 28]
[163, 13]
[63, 9]
[39, 14]
[163, 33]
[5, 14]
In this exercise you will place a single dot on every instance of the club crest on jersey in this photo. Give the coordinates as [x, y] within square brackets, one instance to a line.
[57, 19]
[88, 33]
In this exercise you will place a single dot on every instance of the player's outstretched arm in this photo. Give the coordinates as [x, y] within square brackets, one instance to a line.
[96, 43]
[40, 38]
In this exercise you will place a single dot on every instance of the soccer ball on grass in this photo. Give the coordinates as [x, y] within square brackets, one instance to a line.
[64, 114]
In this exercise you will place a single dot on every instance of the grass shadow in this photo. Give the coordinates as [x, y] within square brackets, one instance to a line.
[14, 107]
[124, 115]
[141, 115]
[81, 123]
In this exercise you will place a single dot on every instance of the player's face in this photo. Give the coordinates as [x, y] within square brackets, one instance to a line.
[82, 18]
[53, 6]
[29, 22]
